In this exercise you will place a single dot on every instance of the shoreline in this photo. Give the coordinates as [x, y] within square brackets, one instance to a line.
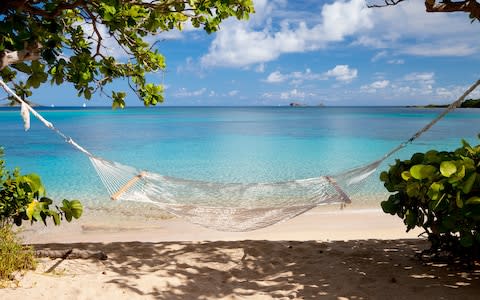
[321, 223]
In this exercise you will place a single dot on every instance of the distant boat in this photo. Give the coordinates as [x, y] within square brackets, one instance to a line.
[84, 105]
[52, 105]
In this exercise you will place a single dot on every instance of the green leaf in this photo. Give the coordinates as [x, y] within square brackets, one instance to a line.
[76, 208]
[56, 218]
[389, 206]
[406, 175]
[412, 189]
[473, 200]
[434, 190]
[422, 171]
[31, 207]
[411, 219]
[459, 200]
[448, 168]
[467, 186]
[72, 209]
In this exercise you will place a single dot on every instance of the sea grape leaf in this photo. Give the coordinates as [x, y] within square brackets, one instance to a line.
[467, 187]
[473, 200]
[448, 168]
[406, 175]
[422, 171]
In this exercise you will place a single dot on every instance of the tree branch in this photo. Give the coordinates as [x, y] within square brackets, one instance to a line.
[469, 6]
[387, 3]
[31, 52]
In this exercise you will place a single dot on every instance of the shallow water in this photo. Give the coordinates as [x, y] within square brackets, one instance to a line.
[226, 144]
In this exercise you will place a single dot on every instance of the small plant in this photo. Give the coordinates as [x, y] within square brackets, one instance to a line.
[439, 192]
[23, 198]
[13, 255]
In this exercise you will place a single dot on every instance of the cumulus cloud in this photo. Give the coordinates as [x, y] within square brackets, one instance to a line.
[380, 84]
[276, 77]
[296, 77]
[376, 85]
[339, 72]
[342, 73]
[245, 43]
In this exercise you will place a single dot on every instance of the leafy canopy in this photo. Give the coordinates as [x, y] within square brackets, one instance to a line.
[64, 41]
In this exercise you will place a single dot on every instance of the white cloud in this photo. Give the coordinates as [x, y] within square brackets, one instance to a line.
[380, 84]
[376, 85]
[379, 56]
[342, 73]
[260, 68]
[453, 92]
[233, 93]
[293, 94]
[371, 42]
[276, 77]
[245, 43]
[296, 77]
[432, 50]
[395, 27]
[183, 92]
[426, 78]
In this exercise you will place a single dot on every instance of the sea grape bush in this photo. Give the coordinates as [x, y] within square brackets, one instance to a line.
[22, 198]
[439, 191]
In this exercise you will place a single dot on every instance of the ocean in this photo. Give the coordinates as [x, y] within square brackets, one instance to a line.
[224, 144]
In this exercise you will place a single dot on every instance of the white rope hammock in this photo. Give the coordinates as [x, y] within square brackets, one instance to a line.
[227, 206]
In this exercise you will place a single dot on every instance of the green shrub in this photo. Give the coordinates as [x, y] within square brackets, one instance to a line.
[13, 255]
[439, 192]
[23, 197]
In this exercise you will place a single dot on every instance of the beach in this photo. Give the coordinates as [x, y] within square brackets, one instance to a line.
[326, 253]
[353, 253]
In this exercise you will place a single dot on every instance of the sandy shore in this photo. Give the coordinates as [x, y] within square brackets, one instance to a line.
[326, 254]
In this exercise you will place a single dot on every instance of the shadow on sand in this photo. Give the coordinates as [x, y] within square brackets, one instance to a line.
[377, 269]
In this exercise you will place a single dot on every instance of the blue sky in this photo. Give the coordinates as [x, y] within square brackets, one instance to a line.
[330, 52]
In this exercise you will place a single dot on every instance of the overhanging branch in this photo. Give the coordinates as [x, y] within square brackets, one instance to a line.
[468, 6]
[31, 52]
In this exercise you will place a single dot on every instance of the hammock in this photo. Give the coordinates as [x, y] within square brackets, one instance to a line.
[228, 206]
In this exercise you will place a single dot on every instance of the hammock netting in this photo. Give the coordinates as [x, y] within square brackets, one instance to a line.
[220, 206]
[228, 206]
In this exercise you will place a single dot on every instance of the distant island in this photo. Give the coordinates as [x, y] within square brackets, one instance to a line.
[296, 104]
[469, 103]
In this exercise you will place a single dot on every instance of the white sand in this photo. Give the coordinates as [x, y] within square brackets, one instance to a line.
[303, 258]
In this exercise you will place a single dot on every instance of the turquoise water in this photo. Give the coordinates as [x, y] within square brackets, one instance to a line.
[227, 144]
